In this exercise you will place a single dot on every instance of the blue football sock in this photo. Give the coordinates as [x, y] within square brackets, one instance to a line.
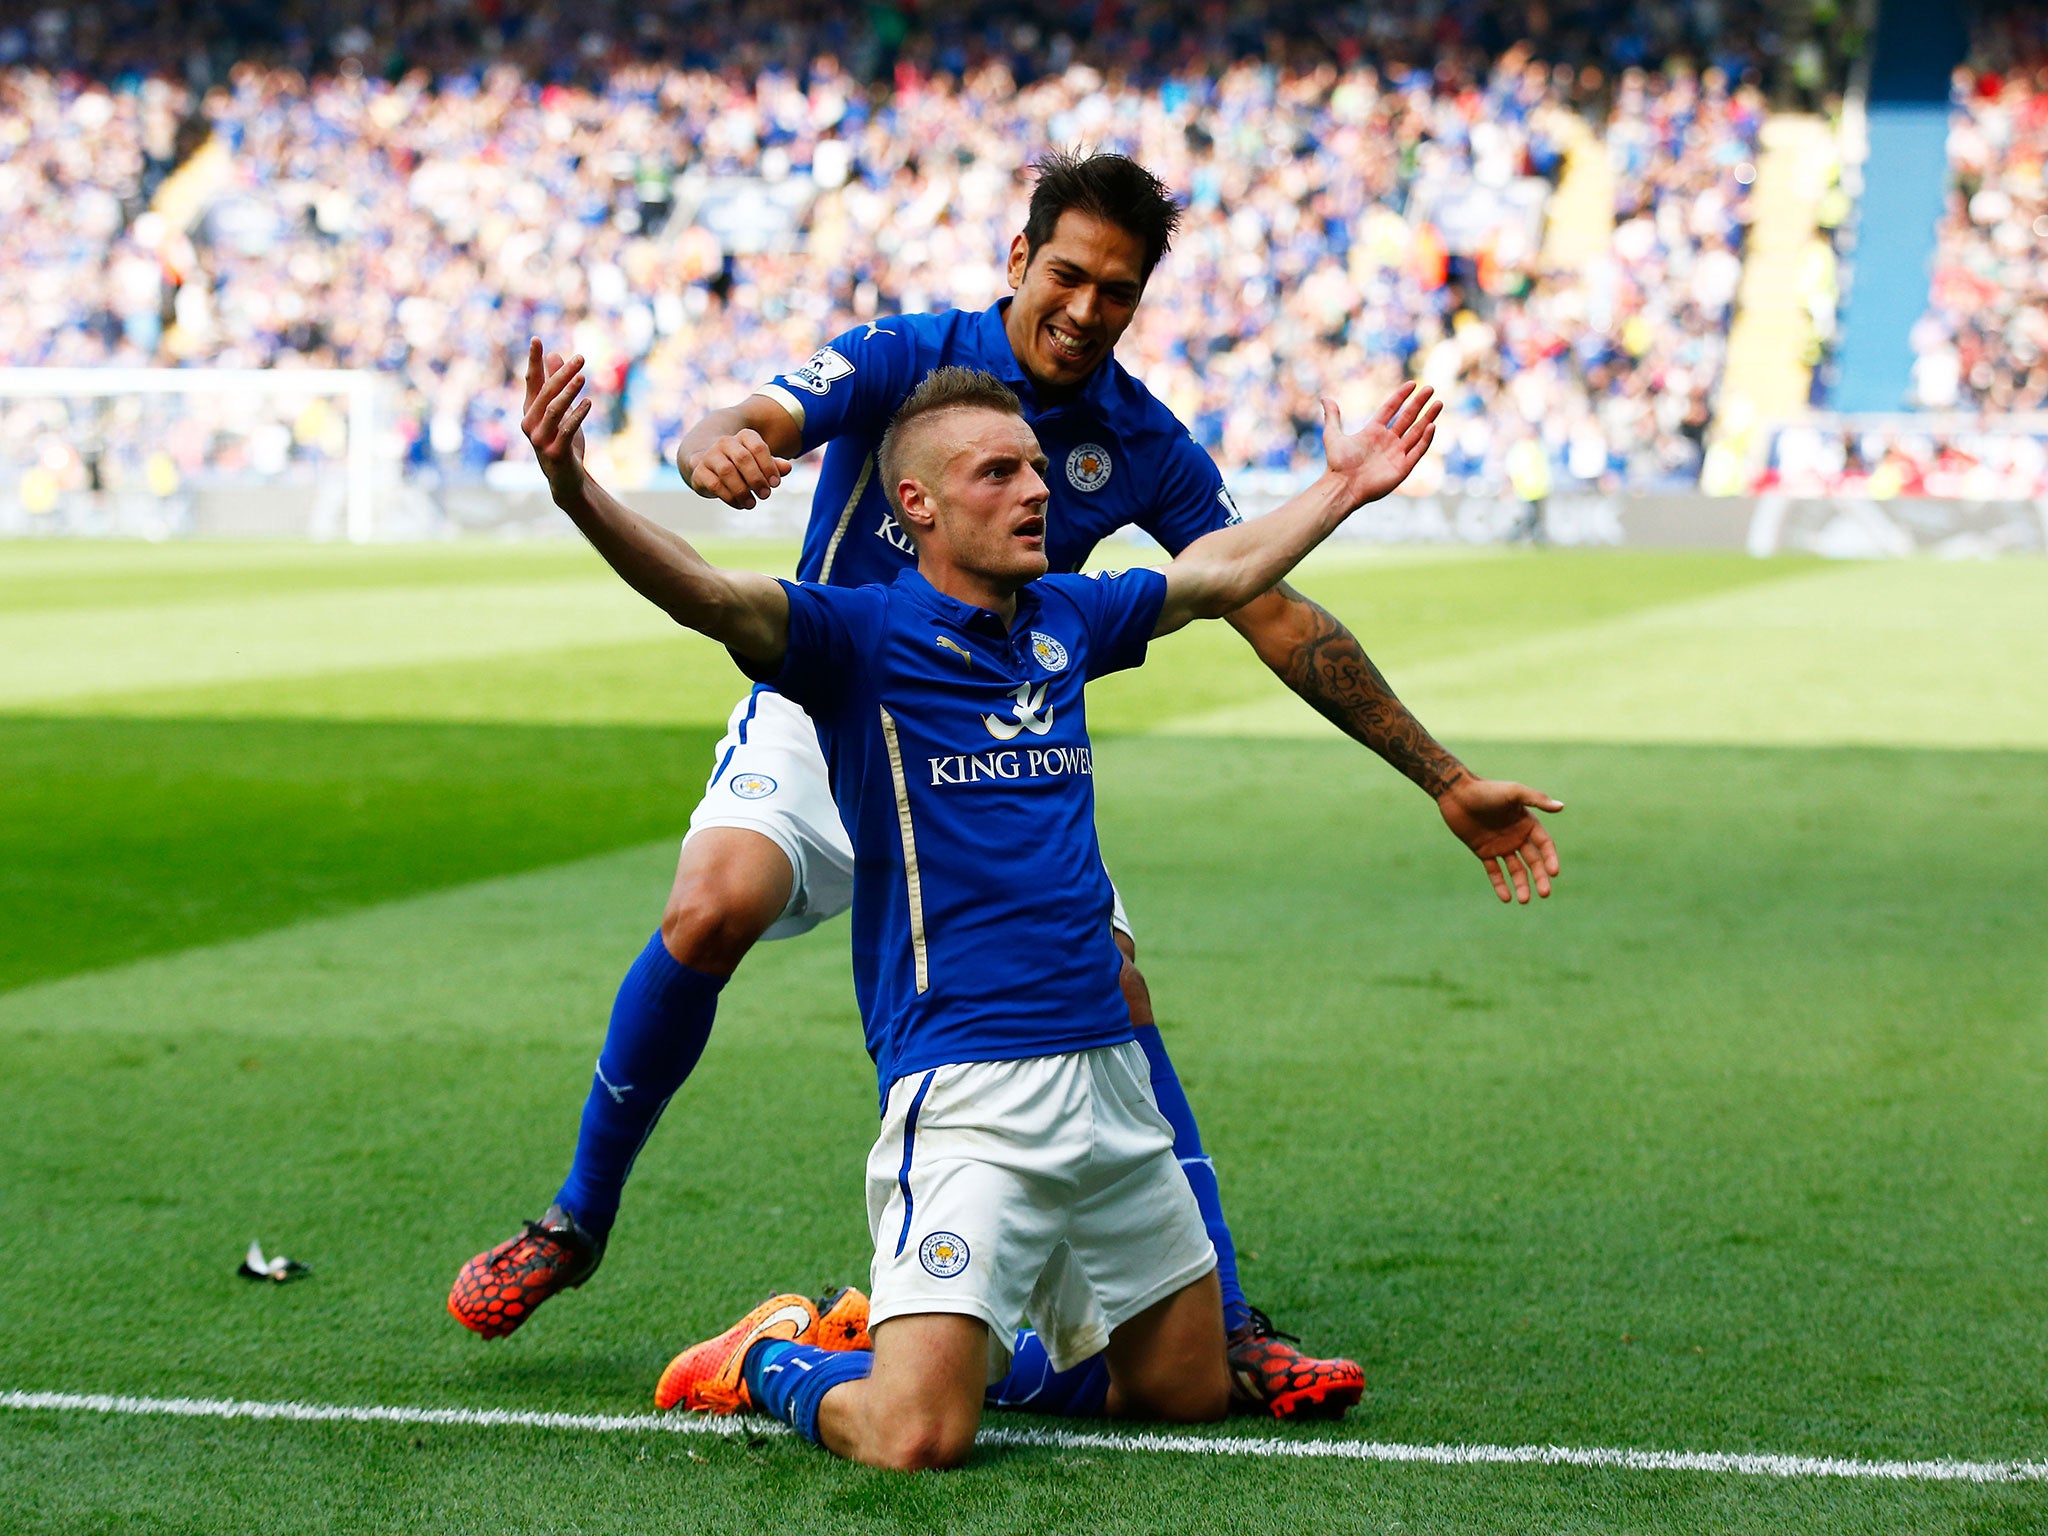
[790, 1380]
[1200, 1172]
[659, 1025]
[1033, 1386]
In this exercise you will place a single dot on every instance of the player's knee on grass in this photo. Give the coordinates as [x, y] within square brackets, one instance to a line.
[731, 885]
[925, 1442]
[920, 1407]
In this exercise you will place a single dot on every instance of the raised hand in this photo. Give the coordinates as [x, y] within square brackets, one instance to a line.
[1491, 817]
[1378, 457]
[737, 469]
[553, 421]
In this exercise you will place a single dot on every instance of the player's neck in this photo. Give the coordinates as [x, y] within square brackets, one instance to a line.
[997, 595]
[1052, 394]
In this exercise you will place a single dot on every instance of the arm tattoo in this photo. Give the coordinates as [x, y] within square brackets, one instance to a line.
[1323, 662]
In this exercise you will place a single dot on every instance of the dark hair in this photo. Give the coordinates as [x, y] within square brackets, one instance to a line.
[943, 389]
[1114, 188]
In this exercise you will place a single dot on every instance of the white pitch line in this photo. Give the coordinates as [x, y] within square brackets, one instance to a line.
[329, 1413]
[1742, 1464]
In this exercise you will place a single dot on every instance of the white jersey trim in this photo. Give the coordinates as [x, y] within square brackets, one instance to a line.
[785, 399]
[845, 517]
[914, 886]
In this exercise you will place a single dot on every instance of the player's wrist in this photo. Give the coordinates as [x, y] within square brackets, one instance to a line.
[1338, 494]
[567, 483]
[1442, 780]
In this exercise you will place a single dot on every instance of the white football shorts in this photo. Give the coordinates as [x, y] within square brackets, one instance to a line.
[1041, 1191]
[769, 776]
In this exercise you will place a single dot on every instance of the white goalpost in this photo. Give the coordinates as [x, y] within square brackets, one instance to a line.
[151, 451]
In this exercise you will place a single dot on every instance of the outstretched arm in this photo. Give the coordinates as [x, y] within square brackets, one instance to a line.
[1315, 655]
[1311, 651]
[1224, 570]
[743, 610]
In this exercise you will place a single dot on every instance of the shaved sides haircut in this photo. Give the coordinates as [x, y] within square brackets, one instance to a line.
[943, 389]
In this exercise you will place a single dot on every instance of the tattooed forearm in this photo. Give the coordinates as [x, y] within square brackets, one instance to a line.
[1316, 656]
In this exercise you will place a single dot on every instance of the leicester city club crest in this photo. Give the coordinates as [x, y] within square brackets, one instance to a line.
[943, 1254]
[1048, 652]
[1088, 467]
[753, 786]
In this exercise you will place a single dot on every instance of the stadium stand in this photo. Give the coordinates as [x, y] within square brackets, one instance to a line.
[1983, 341]
[1973, 336]
[1542, 213]
[1917, 45]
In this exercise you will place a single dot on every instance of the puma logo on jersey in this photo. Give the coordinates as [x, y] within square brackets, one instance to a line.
[956, 648]
[1026, 710]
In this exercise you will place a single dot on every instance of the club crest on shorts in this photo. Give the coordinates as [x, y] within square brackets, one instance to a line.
[1048, 652]
[1088, 467]
[753, 786]
[943, 1254]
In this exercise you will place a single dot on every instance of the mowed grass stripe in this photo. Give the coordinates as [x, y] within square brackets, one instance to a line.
[63, 654]
[584, 648]
[1900, 654]
[1142, 1444]
[132, 623]
[124, 838]
[1561, 646]
[48, 574]
[678, 679]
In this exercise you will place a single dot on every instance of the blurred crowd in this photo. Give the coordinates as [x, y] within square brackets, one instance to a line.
[697, 196]
[1941, 458]
[1983, 342]
[1981, 347]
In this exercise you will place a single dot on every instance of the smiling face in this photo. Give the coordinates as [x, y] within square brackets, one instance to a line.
[1075, 296]
[973, 495]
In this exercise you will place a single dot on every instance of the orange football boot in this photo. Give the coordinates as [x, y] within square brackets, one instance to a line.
[497, 1290]
[842, 1321]
[711, 1377]
[1269, 1375]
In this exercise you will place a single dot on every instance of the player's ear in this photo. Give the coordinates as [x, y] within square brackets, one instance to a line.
[1020, 258]
[913, 505]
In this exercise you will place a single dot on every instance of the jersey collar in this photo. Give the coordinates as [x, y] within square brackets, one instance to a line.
[912, 585]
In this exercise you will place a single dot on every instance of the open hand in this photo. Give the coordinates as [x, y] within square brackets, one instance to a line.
[1491, 817]
[1378, 458]
[553, 422]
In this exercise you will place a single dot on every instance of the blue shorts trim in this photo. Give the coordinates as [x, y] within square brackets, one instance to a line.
[753, 703]
[909, 1147]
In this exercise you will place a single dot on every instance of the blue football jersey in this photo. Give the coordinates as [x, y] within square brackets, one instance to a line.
[1118, 457]
[962, 769]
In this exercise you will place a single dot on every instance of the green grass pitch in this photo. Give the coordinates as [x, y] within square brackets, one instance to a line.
[318, 868]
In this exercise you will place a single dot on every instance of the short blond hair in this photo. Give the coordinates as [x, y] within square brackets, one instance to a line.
[943, 389]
